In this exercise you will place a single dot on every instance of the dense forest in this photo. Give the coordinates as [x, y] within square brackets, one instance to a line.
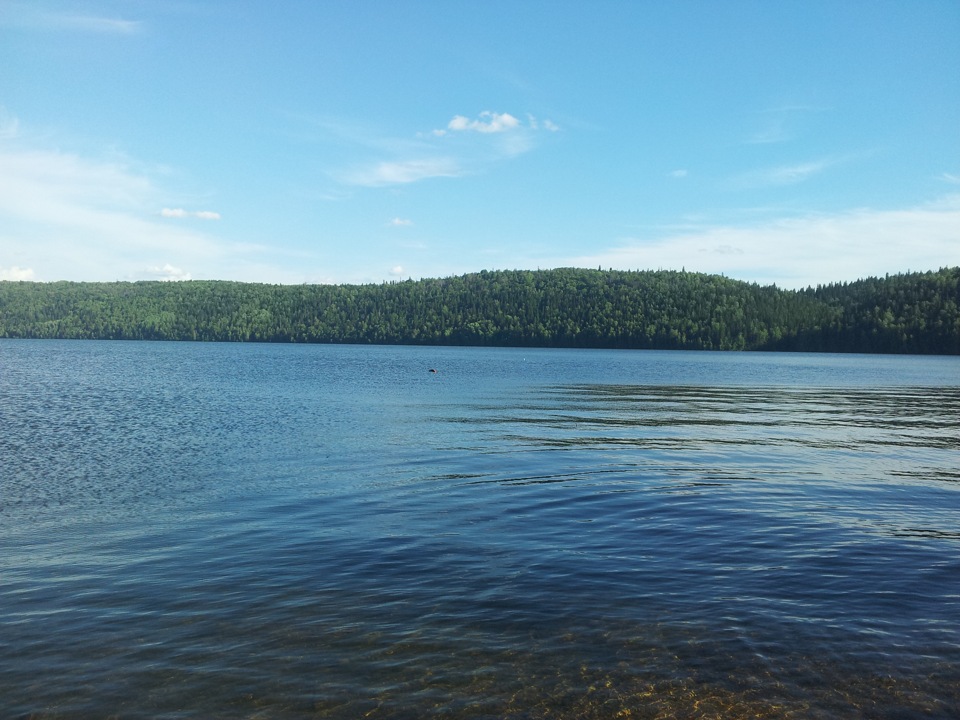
[908, 313]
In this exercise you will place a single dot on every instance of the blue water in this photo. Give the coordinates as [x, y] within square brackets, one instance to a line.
[290, 531]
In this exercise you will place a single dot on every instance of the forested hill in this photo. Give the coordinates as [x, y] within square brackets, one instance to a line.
[910, 313]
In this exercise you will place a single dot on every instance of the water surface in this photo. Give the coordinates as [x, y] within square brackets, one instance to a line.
[252, 531]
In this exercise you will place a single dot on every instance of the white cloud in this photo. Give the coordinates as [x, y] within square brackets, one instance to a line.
[508, 136]
[400, 222]
[181, 213]
[488, 122]
[29, 16]
[9, 125]
[396, 270]
[16, 273]
[491, 122]
[802, 251]
[678, 174]
[773, 132]
[768, 136]
[90, 23]
[167, 272]
[950, 178]
[402, 172]
[784, 174]
[68, 217]
[796, 173]
[465, 146]
[727, 250]
[777, 123]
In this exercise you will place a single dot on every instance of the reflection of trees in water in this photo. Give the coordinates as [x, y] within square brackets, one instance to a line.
[919, 416]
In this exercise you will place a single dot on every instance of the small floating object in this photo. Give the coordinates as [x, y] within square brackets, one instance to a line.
[433, 370]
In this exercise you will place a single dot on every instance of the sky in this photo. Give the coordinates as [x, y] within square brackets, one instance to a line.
[789, 143]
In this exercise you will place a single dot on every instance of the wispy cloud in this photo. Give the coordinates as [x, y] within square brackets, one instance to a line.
[679, 174]
[29, 16]
[9, 125]
[951, 178]
[400, 222]
[777, 124]
[90, 23]
[800, 251]
[784, 174]
[787, 174]
[181, 213]
[81, 218]
[402, 172]
[464, 146]
[773, 132]
[64, 216]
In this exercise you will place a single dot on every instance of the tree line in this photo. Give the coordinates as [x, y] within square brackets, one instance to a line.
[567, 307]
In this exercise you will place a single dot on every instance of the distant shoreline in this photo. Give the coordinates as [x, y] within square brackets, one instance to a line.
[912, 313]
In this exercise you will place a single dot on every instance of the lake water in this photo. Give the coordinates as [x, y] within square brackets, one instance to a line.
[292, 531]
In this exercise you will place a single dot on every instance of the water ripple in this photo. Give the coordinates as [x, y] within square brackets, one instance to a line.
[321, 532]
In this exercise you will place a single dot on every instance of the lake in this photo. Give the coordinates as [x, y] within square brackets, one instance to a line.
[195, 530]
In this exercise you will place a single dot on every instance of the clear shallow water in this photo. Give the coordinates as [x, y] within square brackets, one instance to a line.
[262, 531]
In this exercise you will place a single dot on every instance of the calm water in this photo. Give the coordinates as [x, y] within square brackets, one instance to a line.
[262, 531]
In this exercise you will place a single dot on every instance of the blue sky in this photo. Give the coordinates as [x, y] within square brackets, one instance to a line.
[787, 142]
